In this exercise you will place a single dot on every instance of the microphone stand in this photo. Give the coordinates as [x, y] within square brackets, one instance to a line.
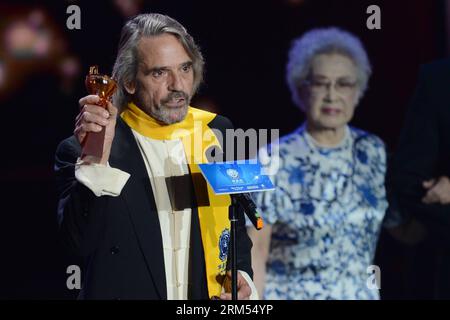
[232, 215]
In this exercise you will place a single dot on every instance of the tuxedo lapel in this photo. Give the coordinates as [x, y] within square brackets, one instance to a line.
[138, 196]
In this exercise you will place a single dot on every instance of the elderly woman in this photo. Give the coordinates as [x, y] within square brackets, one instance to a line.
[324, 216]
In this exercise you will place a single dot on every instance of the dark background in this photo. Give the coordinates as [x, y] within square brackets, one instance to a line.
[245, 46]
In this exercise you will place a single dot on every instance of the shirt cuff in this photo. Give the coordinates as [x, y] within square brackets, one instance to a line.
[254, 294]
[101, 179]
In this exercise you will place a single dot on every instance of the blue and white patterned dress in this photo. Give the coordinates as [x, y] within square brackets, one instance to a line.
[326, 214]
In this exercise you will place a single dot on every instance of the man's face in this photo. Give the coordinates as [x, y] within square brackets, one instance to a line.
[165, 77]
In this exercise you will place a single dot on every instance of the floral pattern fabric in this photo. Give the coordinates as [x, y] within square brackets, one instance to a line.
[325, 213]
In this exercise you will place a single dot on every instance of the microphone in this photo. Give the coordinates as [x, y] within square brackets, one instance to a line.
[246, 202]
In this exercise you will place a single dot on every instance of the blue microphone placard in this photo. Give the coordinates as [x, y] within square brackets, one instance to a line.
[236, 177]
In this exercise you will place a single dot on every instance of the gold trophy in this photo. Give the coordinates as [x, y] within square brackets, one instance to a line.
[104, 87]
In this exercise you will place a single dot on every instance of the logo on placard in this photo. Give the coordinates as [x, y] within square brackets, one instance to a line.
[233, 174]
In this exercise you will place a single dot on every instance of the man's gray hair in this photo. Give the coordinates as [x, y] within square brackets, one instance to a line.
[325, 41]
[147, 25]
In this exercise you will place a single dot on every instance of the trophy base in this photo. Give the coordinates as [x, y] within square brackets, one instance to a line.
[93, 144]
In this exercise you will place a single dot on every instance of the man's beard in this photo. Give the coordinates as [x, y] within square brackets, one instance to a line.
[162, 112]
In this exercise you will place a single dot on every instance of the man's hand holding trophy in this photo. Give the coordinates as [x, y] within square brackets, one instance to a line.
[95, 124]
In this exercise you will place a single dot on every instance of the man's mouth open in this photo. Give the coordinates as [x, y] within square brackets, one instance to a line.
[176, 103]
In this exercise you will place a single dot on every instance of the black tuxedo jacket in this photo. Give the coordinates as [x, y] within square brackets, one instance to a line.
[119, 238]
[424, 149]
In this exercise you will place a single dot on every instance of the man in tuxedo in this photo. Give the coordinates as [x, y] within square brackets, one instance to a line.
[421, 185]
[141, 215]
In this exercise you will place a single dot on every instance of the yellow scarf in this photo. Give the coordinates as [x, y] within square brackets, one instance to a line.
[196, 137]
